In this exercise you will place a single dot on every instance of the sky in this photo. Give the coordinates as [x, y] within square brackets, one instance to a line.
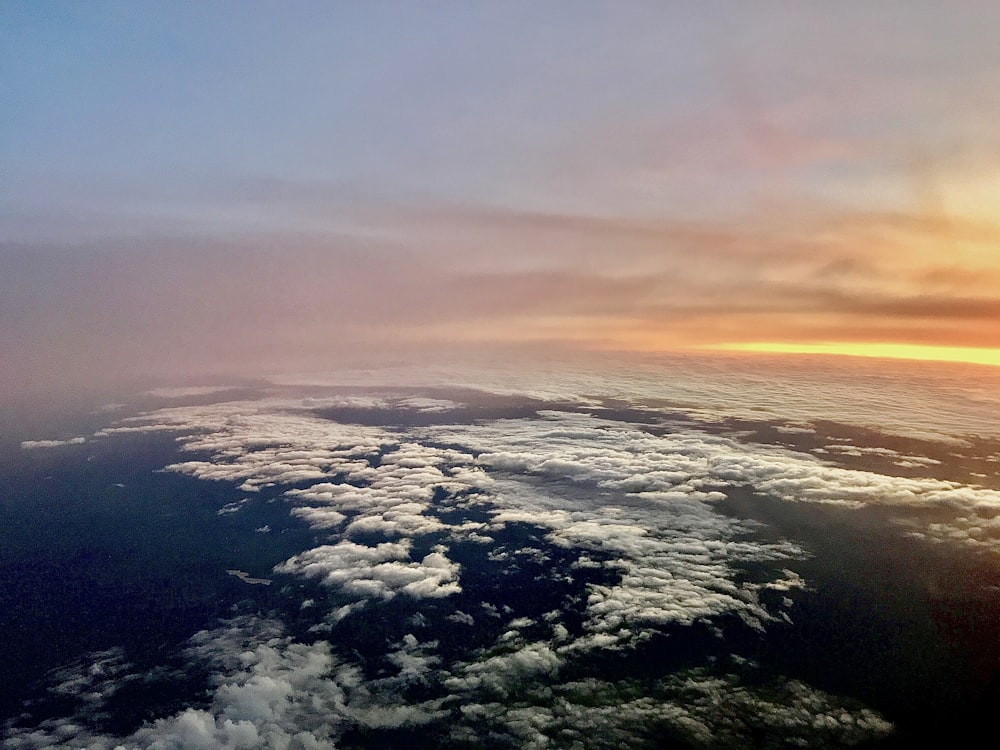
[219, 186]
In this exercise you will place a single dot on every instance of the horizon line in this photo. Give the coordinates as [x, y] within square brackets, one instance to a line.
[876, 350]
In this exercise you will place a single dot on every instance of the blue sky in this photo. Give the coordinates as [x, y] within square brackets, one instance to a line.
[481, 100]
[387, 96]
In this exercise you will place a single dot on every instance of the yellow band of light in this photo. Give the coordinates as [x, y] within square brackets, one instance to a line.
[967, 354]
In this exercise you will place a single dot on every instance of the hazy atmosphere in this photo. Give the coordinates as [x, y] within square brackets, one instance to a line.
[195, 187]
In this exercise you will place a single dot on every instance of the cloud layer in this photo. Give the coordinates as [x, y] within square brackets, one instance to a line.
[619, 519]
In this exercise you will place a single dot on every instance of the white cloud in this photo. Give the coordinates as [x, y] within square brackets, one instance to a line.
[498, 674]
[29, 444]
[376, 572]
[796, 429]
[651, 513]
[273, 443]
[266, 691]
[674, 556]
[637, 503]
[428, 405]
[691, 465]
[415, 660]
[647, 507]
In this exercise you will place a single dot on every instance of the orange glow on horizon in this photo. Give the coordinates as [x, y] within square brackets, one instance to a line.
[957, 354]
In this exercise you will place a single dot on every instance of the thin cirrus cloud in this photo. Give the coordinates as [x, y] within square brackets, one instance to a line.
[271, 301]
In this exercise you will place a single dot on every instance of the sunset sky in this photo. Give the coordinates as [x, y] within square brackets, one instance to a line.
[217, 185]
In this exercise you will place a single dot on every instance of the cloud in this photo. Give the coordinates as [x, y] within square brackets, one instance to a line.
[692, 708]
[674, 557]
[649, 509]
[29, 444]
[265, 691]
[501, 673]
[727, 281]
[649, 516]
[636, 503]
[189, 391]
[462, 618]
[616, 457]
[647, 512]
[382, 571]
[427, 405]
[384, 484]
[362, 480]
[415, 660]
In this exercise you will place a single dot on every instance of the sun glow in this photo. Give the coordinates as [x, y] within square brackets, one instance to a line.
[966, 354]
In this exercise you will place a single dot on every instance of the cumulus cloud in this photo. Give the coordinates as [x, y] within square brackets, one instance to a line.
[684, 465]
[358, 480]
[647, 509]
[693, 708]
[364, 477]
[978, 529]
[261, 443]
[380, 572]
[675, 558]
[636, 503]
[796, 429]
[463, 618]
[266, 691]
[499, 674]
[415, 660]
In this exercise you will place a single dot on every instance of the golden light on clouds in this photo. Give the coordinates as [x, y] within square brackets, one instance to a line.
[958, 354]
